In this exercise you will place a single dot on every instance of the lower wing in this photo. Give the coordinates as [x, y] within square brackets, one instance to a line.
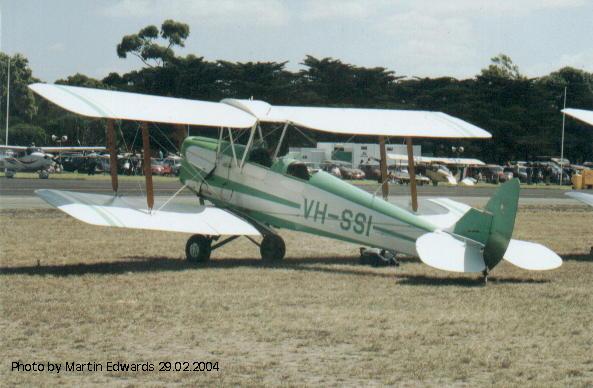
[125, 212]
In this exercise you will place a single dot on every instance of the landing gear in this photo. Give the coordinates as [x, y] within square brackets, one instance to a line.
[43, 174]
[485, 276]
[9, 173]
[272, 248]
[198, 249]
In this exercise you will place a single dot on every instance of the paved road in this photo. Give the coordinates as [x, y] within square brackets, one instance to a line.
[26, 187]
[19, 193]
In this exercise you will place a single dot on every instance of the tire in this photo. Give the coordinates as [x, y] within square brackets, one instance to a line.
[198, 249]
[272, 248]
[43, 174]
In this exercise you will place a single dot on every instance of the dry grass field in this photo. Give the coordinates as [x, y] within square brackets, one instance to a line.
[74, 292]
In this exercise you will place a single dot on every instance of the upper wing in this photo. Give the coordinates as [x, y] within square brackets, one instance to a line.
[107, 210]
[14, 148]
[583, 197]
[353, 121]
[580, 114]
[244, 113]
[141, 107]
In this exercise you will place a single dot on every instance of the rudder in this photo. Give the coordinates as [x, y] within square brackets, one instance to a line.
[493, 227]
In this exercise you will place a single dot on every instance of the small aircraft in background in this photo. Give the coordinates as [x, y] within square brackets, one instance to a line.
[254, 191]
[15, 159]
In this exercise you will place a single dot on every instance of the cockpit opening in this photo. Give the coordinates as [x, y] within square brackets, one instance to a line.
[260, 156]
[298, 170]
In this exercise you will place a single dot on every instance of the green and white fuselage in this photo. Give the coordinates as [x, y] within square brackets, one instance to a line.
[322, 205]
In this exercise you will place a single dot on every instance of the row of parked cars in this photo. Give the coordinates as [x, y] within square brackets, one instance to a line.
[126, 165]
[536, 172]
[528, 172]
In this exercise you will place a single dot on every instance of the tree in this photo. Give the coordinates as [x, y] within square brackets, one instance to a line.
[82, 80]
[502, 66]
[144, 44]
[22, 101]
[24, 134]
[329, 80]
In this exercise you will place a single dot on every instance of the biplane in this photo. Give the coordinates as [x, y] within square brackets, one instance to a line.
[249, 190]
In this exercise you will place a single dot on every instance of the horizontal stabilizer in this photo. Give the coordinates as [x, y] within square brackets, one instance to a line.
[124, 212]
[531, 256]
[444, 251]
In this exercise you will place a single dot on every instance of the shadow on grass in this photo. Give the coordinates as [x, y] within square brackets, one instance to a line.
[467, 281]
[160, 264]
[331, 265]
[578, 257]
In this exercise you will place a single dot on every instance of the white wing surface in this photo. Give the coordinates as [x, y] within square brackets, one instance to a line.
[122, 212]
[531, 256]
[141, 107]
[585, 116]
[444, 251]
[447, 216]
[353, 121]
[583, 197]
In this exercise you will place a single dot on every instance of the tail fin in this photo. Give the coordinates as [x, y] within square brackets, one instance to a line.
[492, 227]
[503, 207]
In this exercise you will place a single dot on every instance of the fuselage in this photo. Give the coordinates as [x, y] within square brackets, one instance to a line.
[281, 194]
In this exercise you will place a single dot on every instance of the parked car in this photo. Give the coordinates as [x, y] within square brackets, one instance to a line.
[174, 164]
[490, 173]
[157, 167]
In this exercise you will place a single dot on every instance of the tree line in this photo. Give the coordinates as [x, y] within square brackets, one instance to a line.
[523, 114]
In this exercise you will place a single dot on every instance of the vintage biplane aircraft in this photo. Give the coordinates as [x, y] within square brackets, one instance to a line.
[33, 159]
[253, 191]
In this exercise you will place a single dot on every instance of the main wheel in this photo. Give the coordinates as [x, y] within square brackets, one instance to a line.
[198, 249]
[272, 248]
[43, 174]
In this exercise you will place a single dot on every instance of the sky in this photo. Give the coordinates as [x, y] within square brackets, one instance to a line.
[411, 37]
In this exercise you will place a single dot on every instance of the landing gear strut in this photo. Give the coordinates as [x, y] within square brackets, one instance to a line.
[485, 276]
